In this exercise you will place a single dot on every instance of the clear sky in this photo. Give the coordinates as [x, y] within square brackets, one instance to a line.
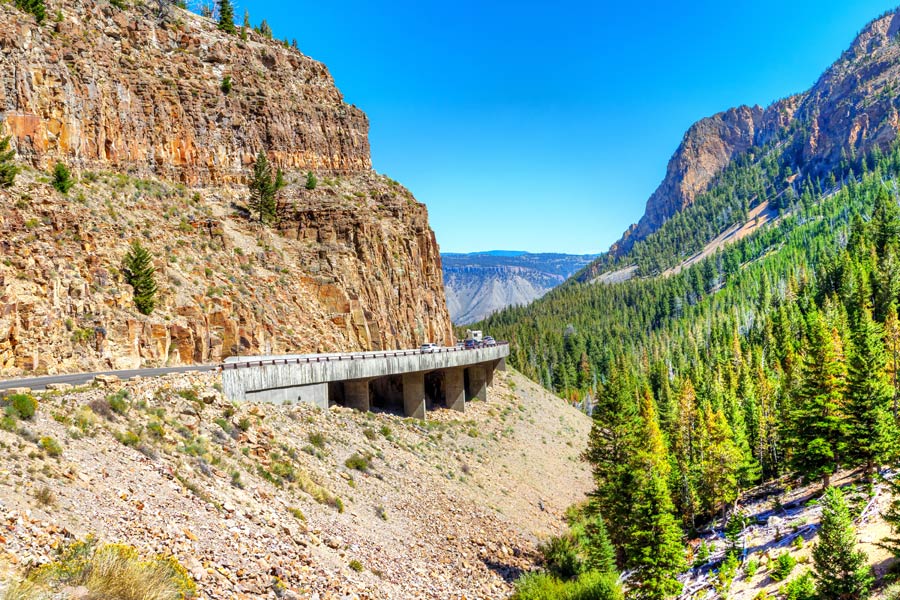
[545, 126]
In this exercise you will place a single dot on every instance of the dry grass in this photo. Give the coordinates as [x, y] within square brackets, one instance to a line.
[110, 571]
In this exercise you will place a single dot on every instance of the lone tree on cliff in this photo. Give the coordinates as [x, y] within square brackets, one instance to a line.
[226, 16]
[139, 273]
[8, 169]
[35, 7]
[262, 190]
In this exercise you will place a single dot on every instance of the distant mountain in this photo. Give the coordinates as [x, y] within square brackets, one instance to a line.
[482, 283]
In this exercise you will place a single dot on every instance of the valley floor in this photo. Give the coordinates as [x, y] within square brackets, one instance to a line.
[255, 500]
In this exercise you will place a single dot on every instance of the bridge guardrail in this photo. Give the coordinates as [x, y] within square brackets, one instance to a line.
[340, 357]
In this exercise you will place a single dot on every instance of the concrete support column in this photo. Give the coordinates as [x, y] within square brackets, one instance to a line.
[500, 365]
[356, 394]
[414, 395]
[455, 389]
[489, 374]
[477, 387]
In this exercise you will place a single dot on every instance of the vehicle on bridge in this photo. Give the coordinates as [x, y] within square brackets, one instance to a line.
[489, 341]
[429, 347]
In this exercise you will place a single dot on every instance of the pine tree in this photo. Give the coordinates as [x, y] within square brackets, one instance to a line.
[869, 396]
[892, 337]
[62, 178]
[612, 446]
[139, 274]
[601, 555]
[265, 30]
[262, 190]
[654, 548]
[226, 17]
[840, 570]
[311, 181]
[720, 463]
[8, 169]
[818, 430]
[279, 180]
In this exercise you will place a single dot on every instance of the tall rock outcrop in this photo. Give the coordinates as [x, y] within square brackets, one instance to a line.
[134, 103]
[852, 108]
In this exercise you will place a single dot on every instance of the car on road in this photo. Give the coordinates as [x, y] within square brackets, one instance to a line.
[489, 341]
[470, 344]
[429, 347]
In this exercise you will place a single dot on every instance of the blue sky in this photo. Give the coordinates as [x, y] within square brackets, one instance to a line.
[545, 126]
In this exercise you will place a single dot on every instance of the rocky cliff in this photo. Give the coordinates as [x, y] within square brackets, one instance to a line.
[852, 108]
[133, 102]
[481, 283]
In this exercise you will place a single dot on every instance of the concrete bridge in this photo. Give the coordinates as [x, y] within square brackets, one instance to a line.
[415, 379]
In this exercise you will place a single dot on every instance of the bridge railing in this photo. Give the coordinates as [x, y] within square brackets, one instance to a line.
[351, 356]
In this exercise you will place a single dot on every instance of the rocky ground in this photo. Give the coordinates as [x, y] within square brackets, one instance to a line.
[253, 498]
[784, 518]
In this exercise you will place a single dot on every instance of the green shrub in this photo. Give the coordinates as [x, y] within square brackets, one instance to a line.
[311, 181]
[226, 84]
[50, 446]
[782, 566]
[589, 586]
[128, 438]
[369, 433]
[358, 462]
[561, 558]
[62, 178]
[800, 588]
[117, 402]
[24, 405]
[356, 566]
[751, 567]
[317, 439]
[35, 7]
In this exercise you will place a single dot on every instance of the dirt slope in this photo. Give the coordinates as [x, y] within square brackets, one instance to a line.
[451, 507]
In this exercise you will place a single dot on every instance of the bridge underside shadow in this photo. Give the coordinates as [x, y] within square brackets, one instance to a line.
[413, 394]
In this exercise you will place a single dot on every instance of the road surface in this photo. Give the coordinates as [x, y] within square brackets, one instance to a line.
[40, 383]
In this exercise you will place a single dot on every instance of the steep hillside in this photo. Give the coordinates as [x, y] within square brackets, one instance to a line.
[262, 502]
[481, 283]
[851, 110]
[132, 100]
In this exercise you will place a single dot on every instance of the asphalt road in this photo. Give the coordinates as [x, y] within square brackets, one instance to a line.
[40, 383]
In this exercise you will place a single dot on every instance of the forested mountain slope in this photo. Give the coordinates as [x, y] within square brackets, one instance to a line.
[732, 161]
[775, 356]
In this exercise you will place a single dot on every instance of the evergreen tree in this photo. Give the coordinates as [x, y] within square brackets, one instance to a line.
[140, 275]
[311, 181]
[601, 555]
[265, 30]
[226, 17]
[892, 337]
[654, 548]
[612, 446]
[62, 178]
[720, 463]
[818, 429]
[279, 180]
[869, 397]
[8, 169]
[839, 569]
[262, 190]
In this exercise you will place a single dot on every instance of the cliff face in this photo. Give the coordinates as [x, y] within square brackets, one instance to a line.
[160, 153]
[122, 89]
[852, 108]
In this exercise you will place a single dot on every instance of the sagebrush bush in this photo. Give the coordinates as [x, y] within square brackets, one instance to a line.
[589, 586]
[25, 405]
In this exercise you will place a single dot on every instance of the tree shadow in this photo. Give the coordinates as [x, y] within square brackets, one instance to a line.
[509, 573]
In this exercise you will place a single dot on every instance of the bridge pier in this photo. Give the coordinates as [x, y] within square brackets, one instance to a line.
[455, 389]
[414, 395]
[356, 394]
[500, 365]
[476, 383]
